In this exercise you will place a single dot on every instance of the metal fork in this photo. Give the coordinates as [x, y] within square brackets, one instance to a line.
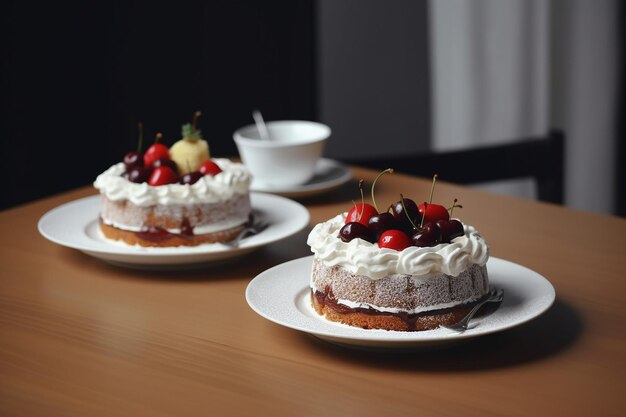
[494, 296]
[251, 230]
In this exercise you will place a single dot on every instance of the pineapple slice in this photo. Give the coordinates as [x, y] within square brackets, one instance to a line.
[191, 151]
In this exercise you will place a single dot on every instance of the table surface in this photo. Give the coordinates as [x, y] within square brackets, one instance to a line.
[80, 337]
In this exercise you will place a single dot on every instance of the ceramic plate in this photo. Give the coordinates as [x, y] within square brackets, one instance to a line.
[329, 174]
[281, 294]
[75, 225]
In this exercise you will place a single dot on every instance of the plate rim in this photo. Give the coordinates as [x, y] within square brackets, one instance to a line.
[385, 338]
[116, 249]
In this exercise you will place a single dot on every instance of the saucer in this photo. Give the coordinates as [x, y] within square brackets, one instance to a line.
[329, 174]
[75, 225]
[281, 294]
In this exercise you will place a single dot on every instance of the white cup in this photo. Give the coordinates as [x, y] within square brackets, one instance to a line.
[289, 157]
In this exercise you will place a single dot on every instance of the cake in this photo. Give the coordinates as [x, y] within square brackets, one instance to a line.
[176, 196]
[408, 269]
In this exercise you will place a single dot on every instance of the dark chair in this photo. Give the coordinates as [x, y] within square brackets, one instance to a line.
[540, 158]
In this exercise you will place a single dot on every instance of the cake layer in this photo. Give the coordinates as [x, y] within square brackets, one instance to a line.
[202, 218]
[400, 293]
[369, 318]
[162, 238]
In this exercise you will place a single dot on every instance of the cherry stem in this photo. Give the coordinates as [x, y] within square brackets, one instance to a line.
[159, 137]
[406, 212]
[140, 142]
[424, 216]
[432, 188]
[388, 170]
[362, 200]
[454, 204]
[194, 121]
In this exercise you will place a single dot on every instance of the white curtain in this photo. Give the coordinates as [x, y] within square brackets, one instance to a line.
[507, 69]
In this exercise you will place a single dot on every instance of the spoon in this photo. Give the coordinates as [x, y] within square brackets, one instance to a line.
[260, 125]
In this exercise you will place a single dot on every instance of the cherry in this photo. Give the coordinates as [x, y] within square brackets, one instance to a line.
[379, 223]
[428, 235]
[433, 212]
[162, 175]
[135, 159]
[361, 213]
[450, 229]
[405, 211]
[355, 230]
[156, 151]
[210, 168]
[166, 162]
[132, 160]
[191, 178]
[394, 239]
[138, 174]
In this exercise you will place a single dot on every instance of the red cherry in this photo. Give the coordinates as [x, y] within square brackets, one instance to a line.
[394, 239]
[162, 175]
[434, 213]
[155, 152]
[166, 162]
[210, 168]
[361, 213]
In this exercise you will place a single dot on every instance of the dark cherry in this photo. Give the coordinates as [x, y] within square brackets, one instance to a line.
[139, 174]
[379, 223]
[133, 159]
[166, 162]
[399, 213]
[429, 235]
[450, 229]
[190, 178]
[354, 230]
[394, 239]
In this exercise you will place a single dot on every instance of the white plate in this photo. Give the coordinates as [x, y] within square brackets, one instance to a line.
[75, 225]
[281, 294]
[329, 174]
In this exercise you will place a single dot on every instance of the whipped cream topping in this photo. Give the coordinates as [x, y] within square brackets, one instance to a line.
[234, 179]
[364, 258]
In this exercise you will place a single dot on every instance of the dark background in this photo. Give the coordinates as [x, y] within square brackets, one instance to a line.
[75, 80]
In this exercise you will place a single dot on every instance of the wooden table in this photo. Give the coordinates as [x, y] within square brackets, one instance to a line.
[81, 338]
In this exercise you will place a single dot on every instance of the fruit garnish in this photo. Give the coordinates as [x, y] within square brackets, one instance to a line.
[354, 230]
[167, 163]
[190, 178]
[378, 223]
[209, 168]
[450, 229]
[139, 174]
[361, 212]
[394, 239]
[433, 212]
[388, 170]
[191, 151]
[427, 235]
[162, 176]
[155, 152]
[406, 213]
[135, 159]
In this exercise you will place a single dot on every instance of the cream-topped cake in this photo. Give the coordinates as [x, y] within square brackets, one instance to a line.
[395, 271]
[174, 197]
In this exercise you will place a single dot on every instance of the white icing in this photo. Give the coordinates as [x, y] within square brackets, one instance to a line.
[363, 258]
[234, 179]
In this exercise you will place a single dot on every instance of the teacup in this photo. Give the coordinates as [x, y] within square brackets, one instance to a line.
[290, 154]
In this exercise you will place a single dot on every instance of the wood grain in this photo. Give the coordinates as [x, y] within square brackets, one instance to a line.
[79, 337]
